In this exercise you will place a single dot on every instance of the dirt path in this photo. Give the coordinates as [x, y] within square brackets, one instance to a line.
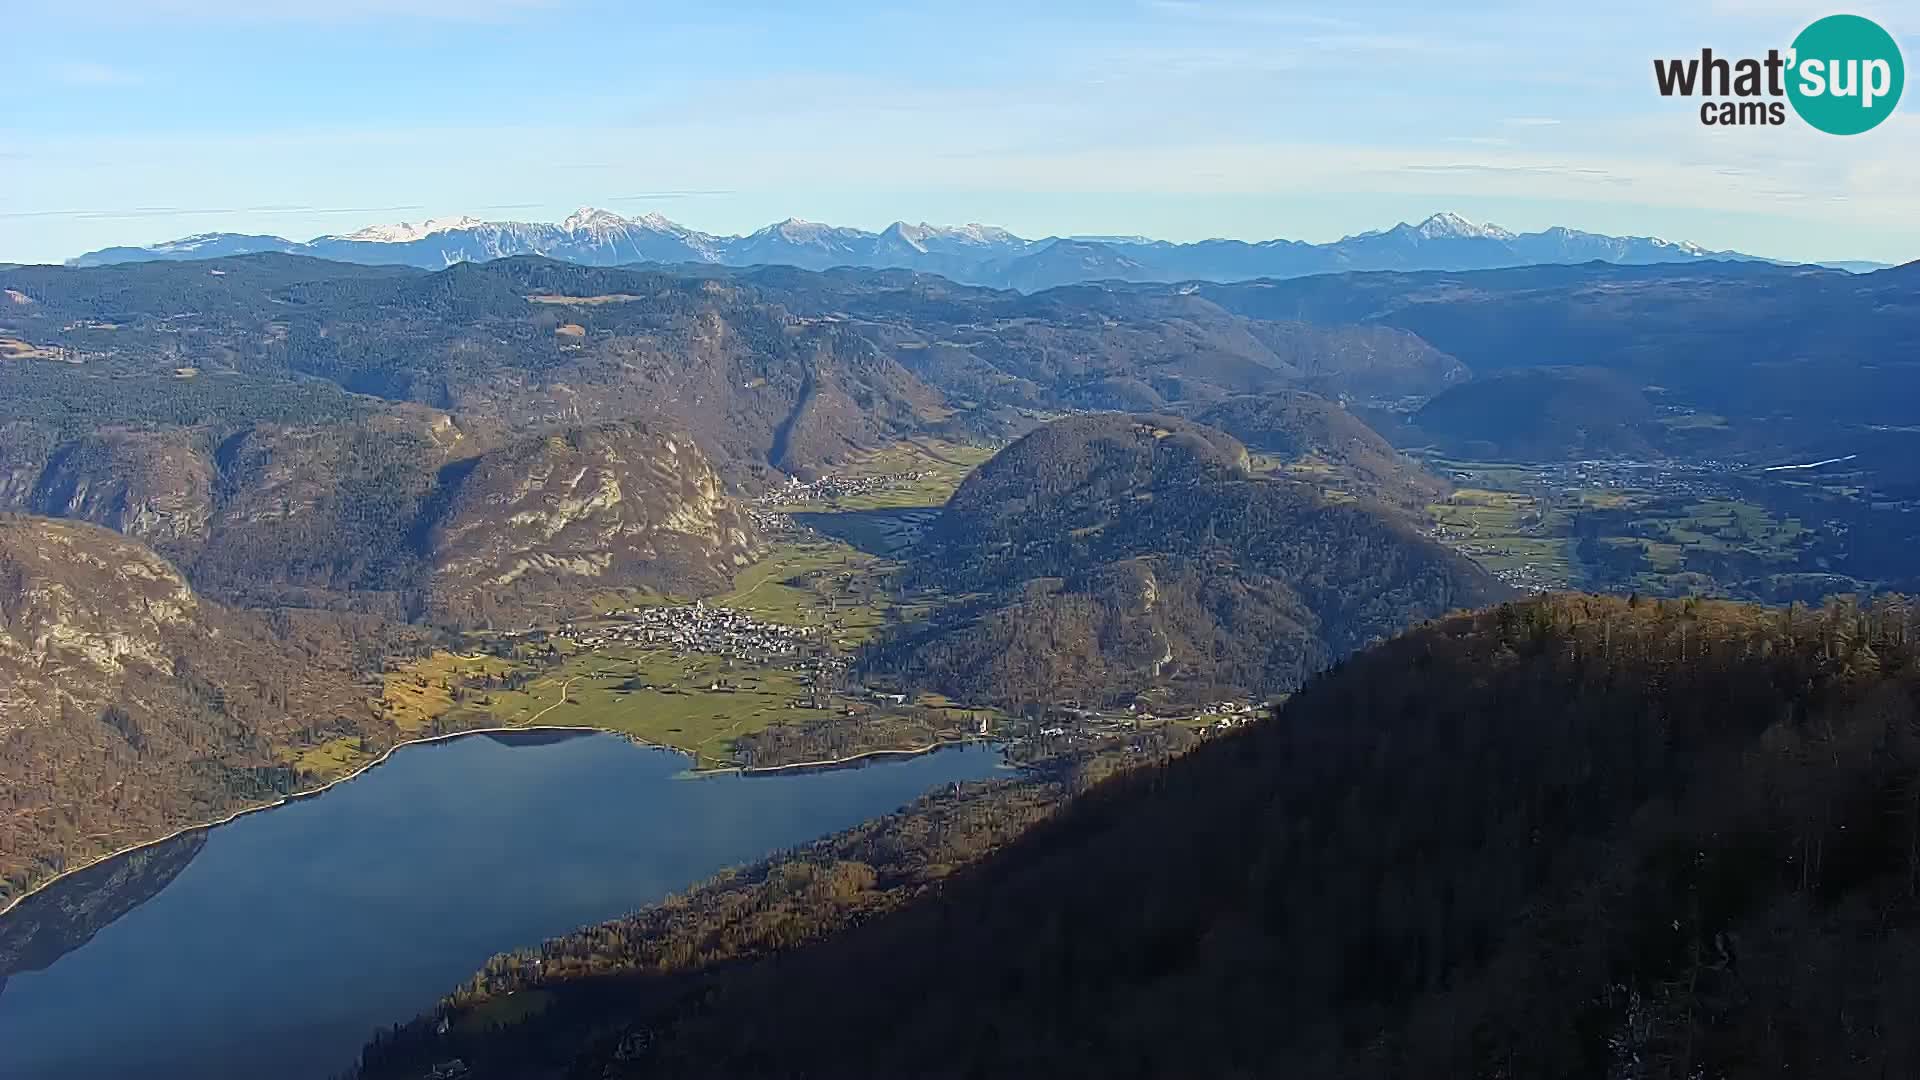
[535, 718]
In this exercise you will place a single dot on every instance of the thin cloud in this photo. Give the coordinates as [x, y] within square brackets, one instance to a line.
[1530, 121]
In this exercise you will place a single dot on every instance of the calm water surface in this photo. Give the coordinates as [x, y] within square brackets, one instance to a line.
[289, 935]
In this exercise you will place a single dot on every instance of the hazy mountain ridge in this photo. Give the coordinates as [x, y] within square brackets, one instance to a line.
[1784, 360]
[975, 254]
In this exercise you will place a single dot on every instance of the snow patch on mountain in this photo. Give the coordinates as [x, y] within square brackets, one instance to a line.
[971, 254]
[406, 232]
[1451, 226]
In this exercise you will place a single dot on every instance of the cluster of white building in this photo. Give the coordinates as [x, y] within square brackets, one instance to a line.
[770, 521]
[697, 628]
[835, 486]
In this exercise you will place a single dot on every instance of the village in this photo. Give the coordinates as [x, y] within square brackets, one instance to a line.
[698, 628]
[835, 486]
[820, 675]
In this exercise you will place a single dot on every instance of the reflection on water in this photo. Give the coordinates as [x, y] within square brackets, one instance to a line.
[274, 945]
[53, 923]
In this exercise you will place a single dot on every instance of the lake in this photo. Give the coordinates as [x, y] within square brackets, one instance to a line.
[274, 945]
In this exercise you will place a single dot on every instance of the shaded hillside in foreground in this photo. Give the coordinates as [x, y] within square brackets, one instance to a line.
[1572, 836]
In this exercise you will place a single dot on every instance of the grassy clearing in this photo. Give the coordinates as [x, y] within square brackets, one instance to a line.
[1609, 500]
[702, 703]
[815, 583]
[1508, 533]
[645, 693]
[336, 757]
[945, 465]
[1724, 526]
[1685, 540]
[16, 349]
[699, 703]
[412, 696]
[1493, 515]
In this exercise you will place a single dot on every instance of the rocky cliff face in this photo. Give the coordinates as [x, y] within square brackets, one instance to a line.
[157, 487]
[79, 608]
[536, 527]
[154, 485]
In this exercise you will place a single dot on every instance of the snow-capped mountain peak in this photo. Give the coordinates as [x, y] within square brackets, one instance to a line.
[1686, 246]
[1450, 226]
[205, 241]
[801, 229]
[592, 219]
[972, 254]
[406, 232]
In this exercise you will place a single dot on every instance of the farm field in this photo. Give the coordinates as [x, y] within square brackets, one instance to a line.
[703, 703]
[1537, 527]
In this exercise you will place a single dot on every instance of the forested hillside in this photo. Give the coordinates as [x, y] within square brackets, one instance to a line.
[130, 706]
[1316, 439]
[1115, 555]
[1570, 836]
[292, 431]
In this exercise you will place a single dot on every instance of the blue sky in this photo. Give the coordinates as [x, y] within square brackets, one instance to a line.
[132, 121]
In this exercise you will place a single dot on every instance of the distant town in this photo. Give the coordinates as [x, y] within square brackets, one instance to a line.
[835, 486]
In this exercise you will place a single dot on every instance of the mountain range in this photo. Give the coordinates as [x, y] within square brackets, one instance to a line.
[970, 254]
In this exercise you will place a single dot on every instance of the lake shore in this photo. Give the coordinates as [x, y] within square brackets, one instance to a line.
[308, 793]
[829, 763]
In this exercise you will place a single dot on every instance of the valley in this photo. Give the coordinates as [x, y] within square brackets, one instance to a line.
[577, 540]
[269, 518]
[755, 676]
[1663, 528]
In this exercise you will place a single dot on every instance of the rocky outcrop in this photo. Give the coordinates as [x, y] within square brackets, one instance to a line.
[157, 487]
[538, 527]
[130, 706]
[78, 607]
